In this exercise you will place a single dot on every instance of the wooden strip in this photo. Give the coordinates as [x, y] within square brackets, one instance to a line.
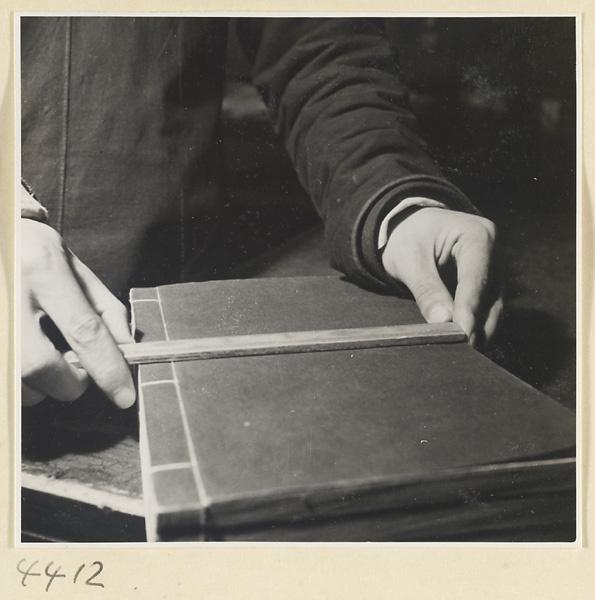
[288, 342]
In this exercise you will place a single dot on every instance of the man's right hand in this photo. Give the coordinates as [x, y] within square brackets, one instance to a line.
[56, 283]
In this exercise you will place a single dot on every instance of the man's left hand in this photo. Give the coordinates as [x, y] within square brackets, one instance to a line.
[447, 260]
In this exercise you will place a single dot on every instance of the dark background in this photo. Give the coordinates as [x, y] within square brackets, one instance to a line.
[495, 99]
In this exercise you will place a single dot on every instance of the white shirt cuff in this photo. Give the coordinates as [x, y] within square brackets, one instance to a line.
[403, 205]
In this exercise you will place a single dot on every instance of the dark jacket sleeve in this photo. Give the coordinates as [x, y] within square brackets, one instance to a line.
[335, 95]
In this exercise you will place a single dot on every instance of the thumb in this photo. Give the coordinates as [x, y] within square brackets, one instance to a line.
[409, 257]
[433, 299]
[417, 270]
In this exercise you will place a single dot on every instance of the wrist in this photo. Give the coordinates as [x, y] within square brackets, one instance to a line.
[400, 212]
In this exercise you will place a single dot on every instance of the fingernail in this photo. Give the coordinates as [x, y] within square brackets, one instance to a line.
[472, 340]
[439, 314]
[70, 357]
[125, 397]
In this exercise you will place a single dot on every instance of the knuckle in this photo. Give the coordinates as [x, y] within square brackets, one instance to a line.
[426, 291]
[487, 229]
[85, 330]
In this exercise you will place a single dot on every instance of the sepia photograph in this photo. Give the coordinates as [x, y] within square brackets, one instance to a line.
[297, 279]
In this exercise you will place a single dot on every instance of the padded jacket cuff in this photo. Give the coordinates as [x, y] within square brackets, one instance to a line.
[357, 253]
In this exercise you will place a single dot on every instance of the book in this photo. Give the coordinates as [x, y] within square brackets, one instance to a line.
[428, 442]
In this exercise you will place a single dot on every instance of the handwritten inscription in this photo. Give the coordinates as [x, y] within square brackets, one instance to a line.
[85, 574]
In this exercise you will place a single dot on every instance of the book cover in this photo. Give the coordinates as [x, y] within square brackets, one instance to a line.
[428, 442]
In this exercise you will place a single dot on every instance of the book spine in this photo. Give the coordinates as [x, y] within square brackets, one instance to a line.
[171, 483]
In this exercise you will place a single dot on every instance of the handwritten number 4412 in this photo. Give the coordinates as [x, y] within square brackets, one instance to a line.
[92, 572]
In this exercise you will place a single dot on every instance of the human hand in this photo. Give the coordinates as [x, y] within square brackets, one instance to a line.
[57, 284]
[434, 249]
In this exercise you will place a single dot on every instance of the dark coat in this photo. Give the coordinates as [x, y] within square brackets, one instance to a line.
[121, 141]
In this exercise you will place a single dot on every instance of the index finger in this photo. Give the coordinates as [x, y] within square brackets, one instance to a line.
[65, 303]
[473, 271]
